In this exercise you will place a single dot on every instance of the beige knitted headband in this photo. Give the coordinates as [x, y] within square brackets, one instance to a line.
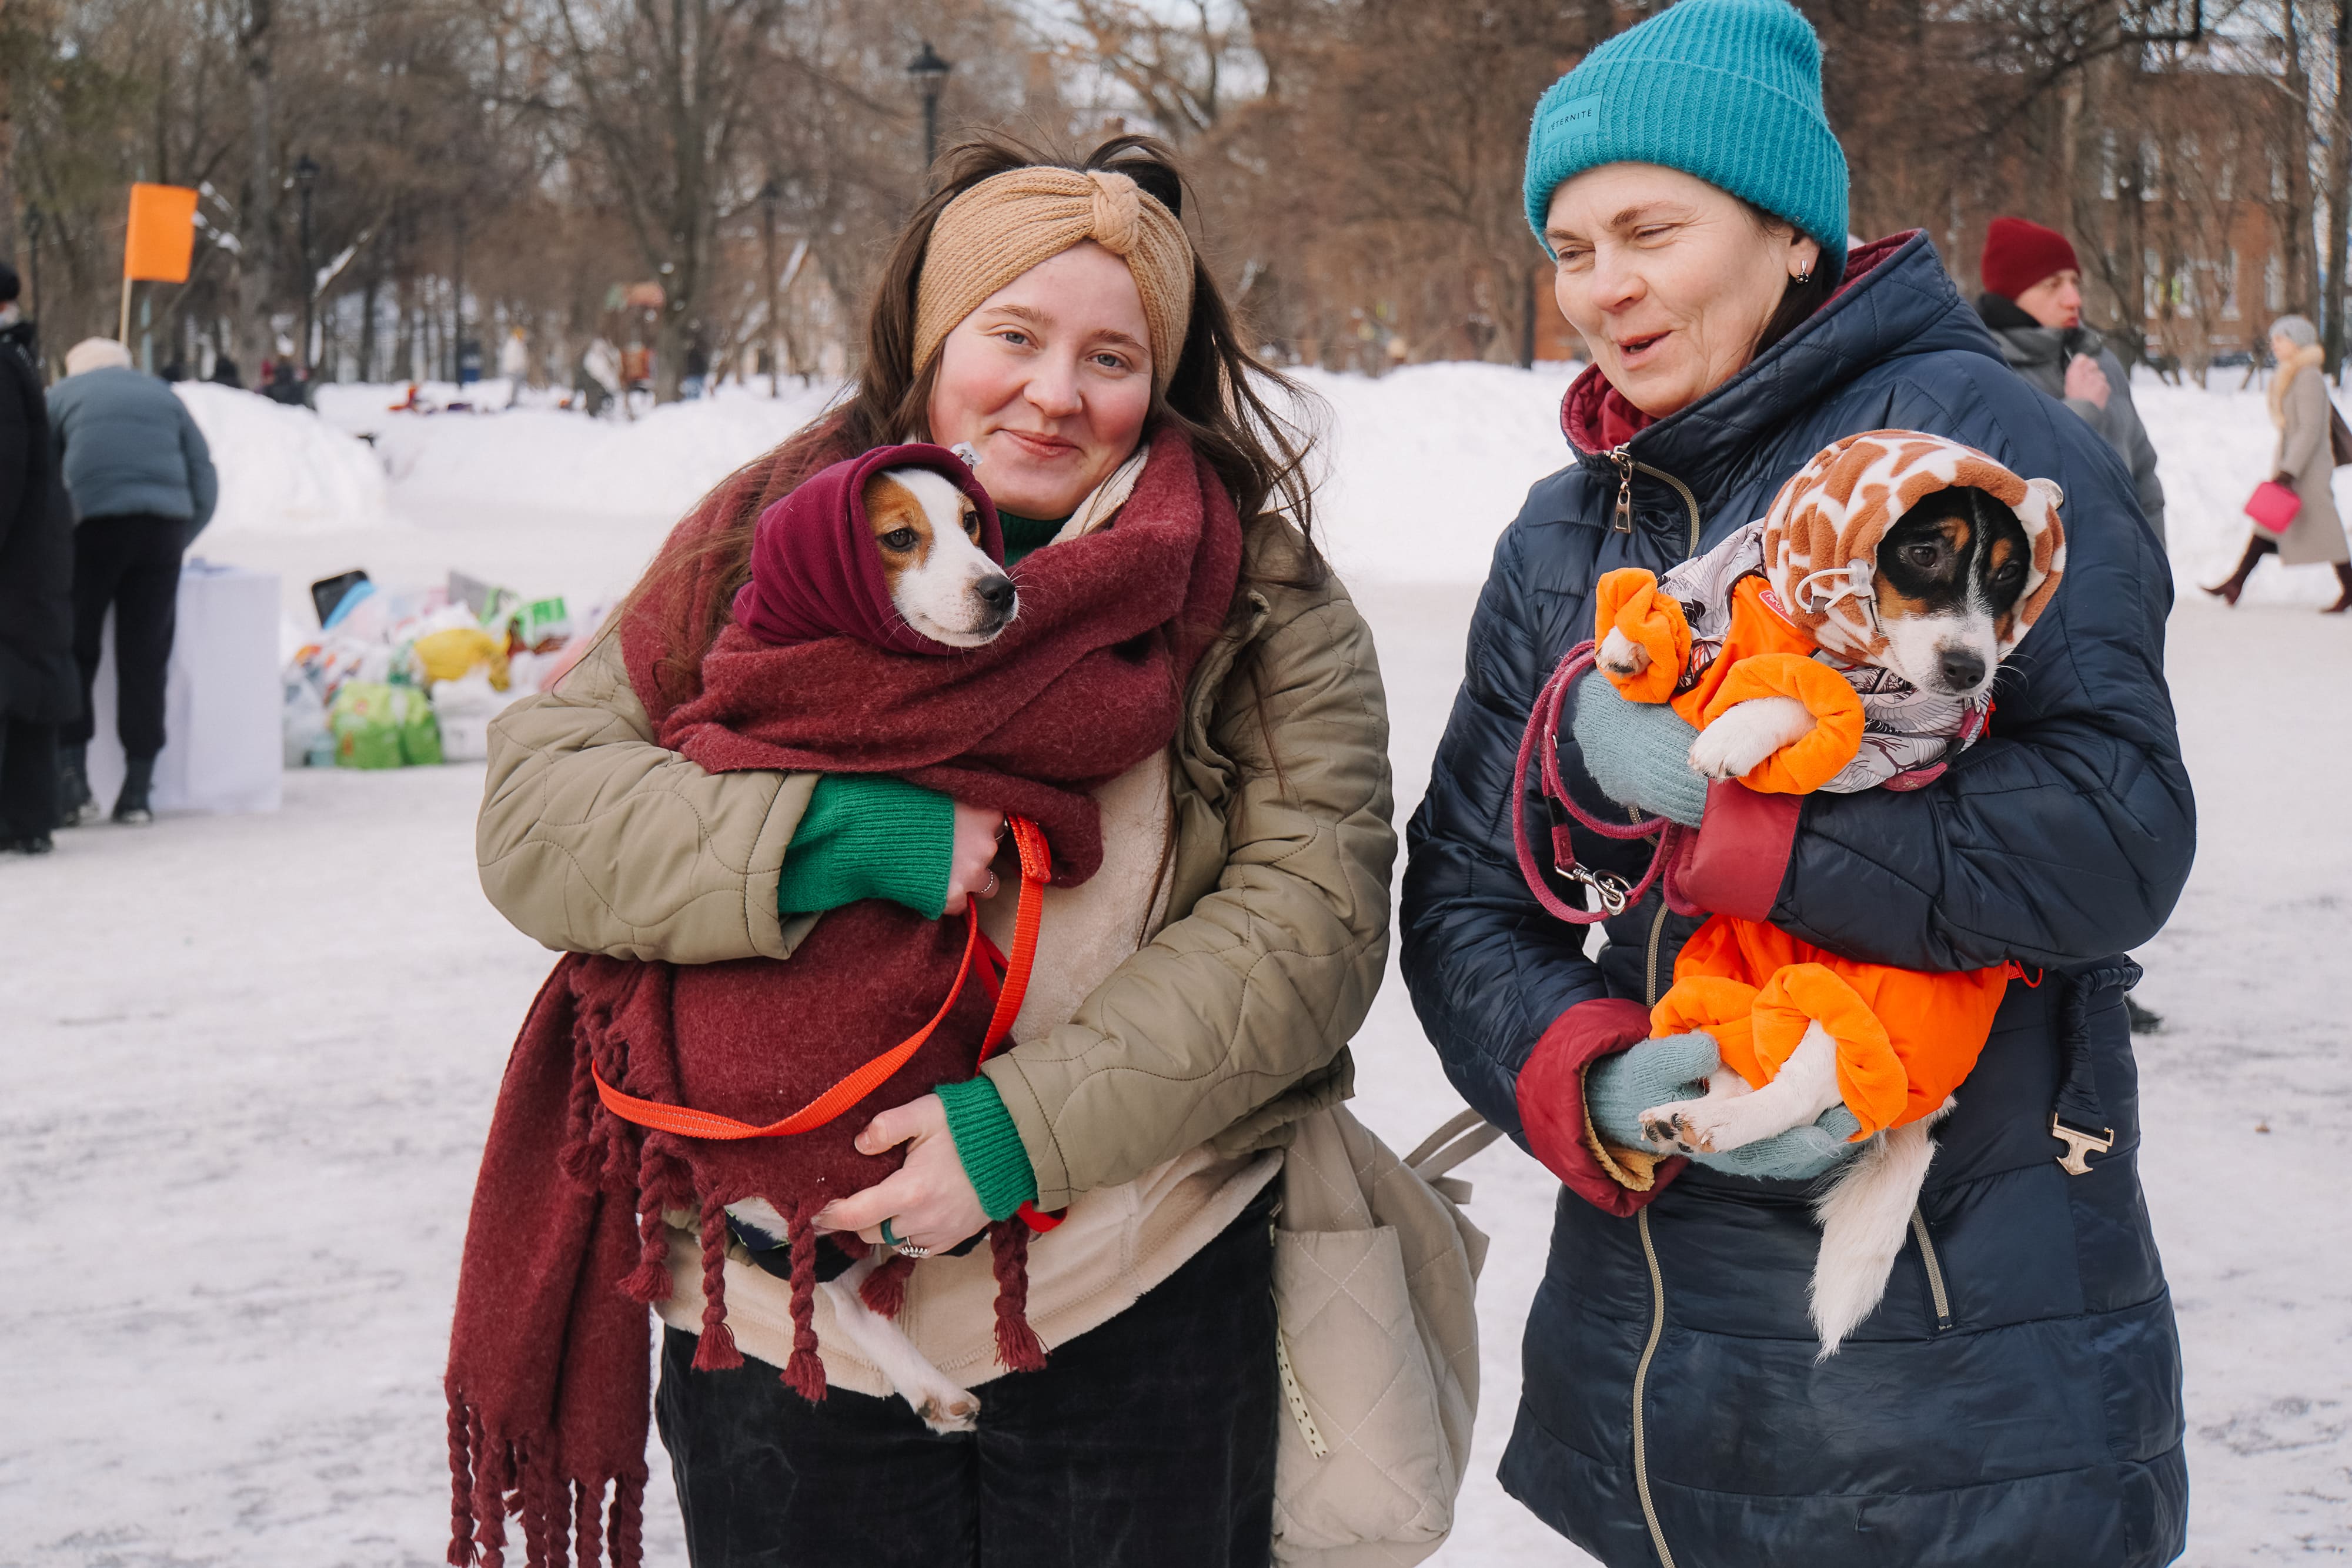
[1010, 222]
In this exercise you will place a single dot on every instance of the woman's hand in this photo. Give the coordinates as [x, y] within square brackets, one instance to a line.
[1618, 1088]
[970, 874]
[2087, 381]
[928, 1200]
[1639, 753]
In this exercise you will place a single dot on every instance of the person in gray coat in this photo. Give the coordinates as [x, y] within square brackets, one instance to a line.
[2033, 304]
[2304, 462]
[142, 486]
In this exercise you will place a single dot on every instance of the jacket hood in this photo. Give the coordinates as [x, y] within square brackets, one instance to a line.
[1897, 299]
[1820, 539]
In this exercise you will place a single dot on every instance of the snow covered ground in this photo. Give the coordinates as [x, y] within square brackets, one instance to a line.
[250, 1059]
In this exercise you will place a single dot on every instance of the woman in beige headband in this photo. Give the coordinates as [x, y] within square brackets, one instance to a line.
[1190, 1002]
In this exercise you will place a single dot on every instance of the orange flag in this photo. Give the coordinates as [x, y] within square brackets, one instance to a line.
[163, 233]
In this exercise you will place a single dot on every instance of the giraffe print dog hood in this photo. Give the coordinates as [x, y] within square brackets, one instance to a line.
[1821, 537]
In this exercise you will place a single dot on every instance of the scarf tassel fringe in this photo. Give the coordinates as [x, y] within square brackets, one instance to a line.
[602, 1520]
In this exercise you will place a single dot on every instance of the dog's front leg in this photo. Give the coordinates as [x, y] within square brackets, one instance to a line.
[1732, 746]
[1721, 1120]
[944, 1406]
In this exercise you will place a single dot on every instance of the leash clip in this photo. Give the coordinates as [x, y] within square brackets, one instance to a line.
[1610, 888]
[2076, 1161]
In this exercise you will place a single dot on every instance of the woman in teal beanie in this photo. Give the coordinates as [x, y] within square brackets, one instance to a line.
[2016, 1397]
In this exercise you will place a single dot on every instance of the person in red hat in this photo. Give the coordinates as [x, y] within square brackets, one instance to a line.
[2032, 300]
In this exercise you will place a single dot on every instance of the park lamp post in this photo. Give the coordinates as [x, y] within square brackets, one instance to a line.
[931, 74]
[771, 195]
[306, 175]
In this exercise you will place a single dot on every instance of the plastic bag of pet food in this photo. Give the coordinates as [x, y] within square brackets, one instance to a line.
[464, 709]
[420, 732]
[453, 653]
[365, 718]
[541, 626]
[303, 723]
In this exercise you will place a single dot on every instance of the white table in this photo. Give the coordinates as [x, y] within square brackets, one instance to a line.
[222, 748]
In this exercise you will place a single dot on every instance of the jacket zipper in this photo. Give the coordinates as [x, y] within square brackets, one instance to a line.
[1622, 522]
[1657, 1307]
[1641, 1382]
[1935, 1269]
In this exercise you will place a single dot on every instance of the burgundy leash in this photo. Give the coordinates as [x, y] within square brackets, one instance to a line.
[1614, 894]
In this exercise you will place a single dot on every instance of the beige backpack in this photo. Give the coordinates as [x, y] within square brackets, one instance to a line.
[1375, 1279]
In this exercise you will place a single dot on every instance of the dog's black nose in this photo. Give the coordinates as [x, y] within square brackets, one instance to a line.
[996, 592]
[1962, 669]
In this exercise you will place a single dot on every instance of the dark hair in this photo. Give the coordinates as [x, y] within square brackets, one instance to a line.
[1798, 300]
[9, 286]
[1217, 396]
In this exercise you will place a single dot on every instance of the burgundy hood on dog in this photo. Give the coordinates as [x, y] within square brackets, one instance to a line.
[815, 571]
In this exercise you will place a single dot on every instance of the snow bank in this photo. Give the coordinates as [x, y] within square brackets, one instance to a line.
[542, 459]
[285, 470]
[1425, 467]
[1417, 472]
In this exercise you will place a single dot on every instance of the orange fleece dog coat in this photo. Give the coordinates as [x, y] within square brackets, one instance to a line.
[1906, 1039]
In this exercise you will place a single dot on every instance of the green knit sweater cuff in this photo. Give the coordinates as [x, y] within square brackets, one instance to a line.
[989, 1146]
[867, 836]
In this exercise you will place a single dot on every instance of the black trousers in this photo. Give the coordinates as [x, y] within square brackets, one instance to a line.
[29, 779]
[1148, 1443]
[132, 565]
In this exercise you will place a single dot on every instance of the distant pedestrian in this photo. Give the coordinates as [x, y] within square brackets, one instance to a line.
[2304, 462]
[142, 486]
[224, 372]
[514, 364]
[285, 386]
[698, 366]
[38, 689]
[2033, 303]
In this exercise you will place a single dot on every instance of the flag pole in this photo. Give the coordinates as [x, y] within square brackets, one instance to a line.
[122, 334]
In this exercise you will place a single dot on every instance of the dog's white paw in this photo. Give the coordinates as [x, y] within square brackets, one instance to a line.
[1734, 745]
[1673, 1129]
[1621, 656]
[952, 1411]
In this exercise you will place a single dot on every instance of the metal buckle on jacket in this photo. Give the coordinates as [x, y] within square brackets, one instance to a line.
[2076, 1161]
[1608, 886]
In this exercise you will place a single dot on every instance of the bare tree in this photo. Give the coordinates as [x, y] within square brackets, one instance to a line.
[660, 97]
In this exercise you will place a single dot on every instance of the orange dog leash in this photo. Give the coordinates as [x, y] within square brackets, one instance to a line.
[1036, 869]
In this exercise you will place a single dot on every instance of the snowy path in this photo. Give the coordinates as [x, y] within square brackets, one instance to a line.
[251, 1059]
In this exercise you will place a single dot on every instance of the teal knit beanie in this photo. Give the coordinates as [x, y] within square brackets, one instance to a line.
[1726, 90]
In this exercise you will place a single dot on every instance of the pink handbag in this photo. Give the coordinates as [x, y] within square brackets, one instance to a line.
[2273, 507]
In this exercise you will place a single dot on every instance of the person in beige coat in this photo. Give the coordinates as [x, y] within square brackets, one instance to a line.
[2306, 463]
[1190, 1003]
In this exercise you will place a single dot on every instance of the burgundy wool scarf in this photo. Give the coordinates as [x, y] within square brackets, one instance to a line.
[548, 1383]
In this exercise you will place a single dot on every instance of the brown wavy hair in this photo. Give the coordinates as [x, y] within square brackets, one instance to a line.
[1220, 397]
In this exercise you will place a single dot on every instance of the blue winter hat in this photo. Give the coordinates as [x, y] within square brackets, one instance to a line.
[1726, 90]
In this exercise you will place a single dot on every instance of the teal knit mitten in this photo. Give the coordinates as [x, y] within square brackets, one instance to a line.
[1639, 753]
[1618, 1088]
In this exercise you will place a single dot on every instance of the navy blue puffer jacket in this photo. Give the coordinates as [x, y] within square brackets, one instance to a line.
[2016, 1398]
